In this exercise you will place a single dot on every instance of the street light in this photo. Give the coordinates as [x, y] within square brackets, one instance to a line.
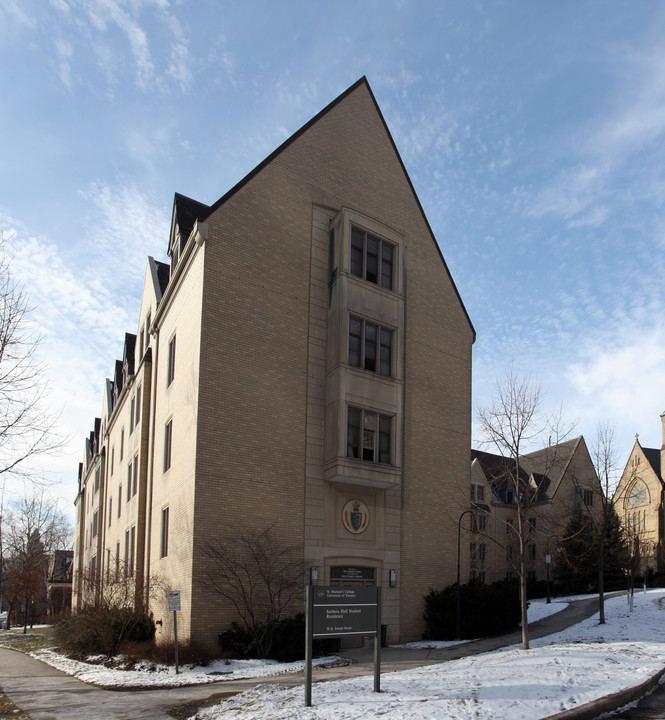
[458, 630]
[548, 563]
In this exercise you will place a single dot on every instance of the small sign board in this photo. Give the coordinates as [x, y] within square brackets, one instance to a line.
[343, 573]
[174, 600]
[344, 611]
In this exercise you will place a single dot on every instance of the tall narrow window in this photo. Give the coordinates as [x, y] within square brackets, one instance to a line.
[170, 370]
[369, 436]
[168, 437]
[131, 416]
[117, 561]
[132, 548]
[120, 500]
[129, 481]
[141, 339]
[126, 552]
[138, 406]
[372, 259]
[110, 510]
[135, 475]
[165, 532]
[122, 443]
[112, 458]
[108, 564]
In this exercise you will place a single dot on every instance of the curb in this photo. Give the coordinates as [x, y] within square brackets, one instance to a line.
[609, 703]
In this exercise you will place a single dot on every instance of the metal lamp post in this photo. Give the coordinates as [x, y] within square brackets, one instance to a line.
[458, 630]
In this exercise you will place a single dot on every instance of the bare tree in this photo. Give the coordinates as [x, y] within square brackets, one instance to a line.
[512, 422]
[606, 460]
[27, 428]
[34, 528]
[260, 576]
[109, 617]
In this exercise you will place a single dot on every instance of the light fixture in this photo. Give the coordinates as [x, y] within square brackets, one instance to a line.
[393, 578]
[314, 575]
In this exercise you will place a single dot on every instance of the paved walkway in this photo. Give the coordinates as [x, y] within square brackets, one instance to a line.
[48, 694]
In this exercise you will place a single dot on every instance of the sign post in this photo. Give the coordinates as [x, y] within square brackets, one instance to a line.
[174, 605]
[333, 611]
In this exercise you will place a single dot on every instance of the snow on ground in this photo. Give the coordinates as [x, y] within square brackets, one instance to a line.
[154, 675]
[559, 672]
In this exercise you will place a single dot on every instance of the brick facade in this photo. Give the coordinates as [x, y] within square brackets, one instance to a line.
[262, 300]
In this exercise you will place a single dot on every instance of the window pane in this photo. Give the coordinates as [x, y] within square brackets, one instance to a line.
[385, 424]
[372, 273]
[369, 435]
[353, 434]
[387, 266]
[355, 339]
[356, 253]
[386, 352]
[370, 347]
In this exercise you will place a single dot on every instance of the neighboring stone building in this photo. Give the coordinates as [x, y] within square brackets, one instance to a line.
[59, 583]
[557, 480]
[638, 501]
[305, 357]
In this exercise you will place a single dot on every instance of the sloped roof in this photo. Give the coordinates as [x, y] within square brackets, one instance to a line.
[187, 211]
[552, 462]
[653, 457]
[362, 82]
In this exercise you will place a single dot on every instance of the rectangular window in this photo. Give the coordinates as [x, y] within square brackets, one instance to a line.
[587, 497]
[110, 510]
[95, 520]
[137, 418]
[135, 475]
[531, 553]
[170, 370]
[120, 500]
[132, 548]
[97, 480]
[372, 259]
[112, 458]
[126, 552]
[108, 564]
[369, 436]
[122, 443]
[165, 533]
[131, 416]
[129, 482]
[117, 561]
[141, 339]
[531, 525]
[168, 437]
[370, 346]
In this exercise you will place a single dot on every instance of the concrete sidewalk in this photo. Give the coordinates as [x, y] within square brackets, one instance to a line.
[48, 694]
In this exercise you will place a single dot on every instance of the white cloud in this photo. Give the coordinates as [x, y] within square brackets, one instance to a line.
[86, 296]
[63, 51]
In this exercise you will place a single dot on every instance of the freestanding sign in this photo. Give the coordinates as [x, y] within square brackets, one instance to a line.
[333, 611]
[174, 607]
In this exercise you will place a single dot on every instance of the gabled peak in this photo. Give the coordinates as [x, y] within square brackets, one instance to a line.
[128, 356]
[185, 214]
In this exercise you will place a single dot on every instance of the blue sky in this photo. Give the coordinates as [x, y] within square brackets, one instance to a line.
[532, 131]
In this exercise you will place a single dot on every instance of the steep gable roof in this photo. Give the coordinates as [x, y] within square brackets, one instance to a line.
[361, 83]
[653, 458]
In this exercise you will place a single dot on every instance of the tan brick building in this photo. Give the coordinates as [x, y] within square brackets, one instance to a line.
[638, 501]
[556, 480]
[304, 363]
